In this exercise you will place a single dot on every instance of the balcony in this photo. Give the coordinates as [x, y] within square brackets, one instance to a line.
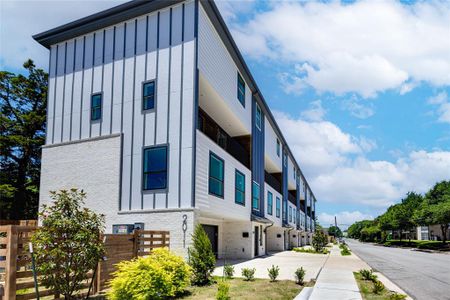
[238, 147]
[273, 180]
[292, 197]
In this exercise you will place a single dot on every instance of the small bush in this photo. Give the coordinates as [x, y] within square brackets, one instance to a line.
[396, 296]
[223, 290]
[432, 245]
[319, 240]
[273, 273]
[344, 250]
[248, 273]
[368, 275]
[310, 250]
[159, 275]
[228, 271]
[300, 275]
[378, 287]
[201, 257]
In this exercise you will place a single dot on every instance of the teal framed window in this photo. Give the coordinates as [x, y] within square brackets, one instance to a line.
[241, 89]
[278, 207]
[255, 195]
[216, 175]
[278, 148]
[269, 203]
[239, 190]
[148, 95]
[155, 168]
[96, 106]
[290, 214]
[284, 210]
[258, 117]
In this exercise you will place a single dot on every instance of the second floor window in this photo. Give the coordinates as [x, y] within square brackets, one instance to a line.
[241, 89]
[148, 95]
[255, 196]
[278, 207]
[155, 168]
[239, 193]
[96, 107]
[216, 175]
[290, 214]
[258, 117]
[278, 148]
[269, 203]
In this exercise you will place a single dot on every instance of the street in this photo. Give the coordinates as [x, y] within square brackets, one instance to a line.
[424, 276]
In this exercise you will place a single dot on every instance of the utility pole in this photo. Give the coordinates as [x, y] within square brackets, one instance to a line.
[335, 222]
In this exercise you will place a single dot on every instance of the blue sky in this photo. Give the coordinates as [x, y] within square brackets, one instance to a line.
[361, 88]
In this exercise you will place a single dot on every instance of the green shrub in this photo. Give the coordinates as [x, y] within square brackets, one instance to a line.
[432, 245]
[300, 275]
[248, 273]
[344, 250]
[319, 241]
[228, 271]
[396, 296]
[273, 273]
[201, 257]
[310, 250]
[378, 287]
[159, 275]
[368, 275]
[223, 290]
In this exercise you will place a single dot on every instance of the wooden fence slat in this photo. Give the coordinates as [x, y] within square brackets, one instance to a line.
[11, 262]
[33, 295]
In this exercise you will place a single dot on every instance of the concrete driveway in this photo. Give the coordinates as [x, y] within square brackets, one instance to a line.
[288, 261]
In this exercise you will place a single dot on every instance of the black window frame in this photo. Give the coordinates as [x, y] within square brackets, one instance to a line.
[144, 83]
[241, 89]
[269, 203]
[236, 190]
[212, 154]
[144, 173]
[100, 107]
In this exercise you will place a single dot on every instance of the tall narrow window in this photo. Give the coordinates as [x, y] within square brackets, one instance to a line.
[290, 214]
[239, 193]
[278, 148]
[293, 172]
[148, 95]
[278, 207]
[284, 210]
[269, 203]
[241, 89]
[258, 116]
[155, 168]
[96, 107]
[255, 196]
[216, 175]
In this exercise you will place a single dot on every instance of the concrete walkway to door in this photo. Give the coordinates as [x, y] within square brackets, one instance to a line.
[288, 261]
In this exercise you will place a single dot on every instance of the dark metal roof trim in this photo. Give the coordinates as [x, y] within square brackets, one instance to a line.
[216, 18]
[259, 219]
[101, 19]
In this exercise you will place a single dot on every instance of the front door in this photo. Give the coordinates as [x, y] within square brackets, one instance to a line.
[256, 241]
[212, 233]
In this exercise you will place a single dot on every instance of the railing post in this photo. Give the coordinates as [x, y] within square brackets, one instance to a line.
[11, 262]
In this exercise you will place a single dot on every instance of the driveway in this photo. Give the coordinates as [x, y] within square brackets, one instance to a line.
[424, 276]
[288, 261]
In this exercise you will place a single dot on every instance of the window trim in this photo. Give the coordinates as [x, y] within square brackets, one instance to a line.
[223, 175]
[258, 125]
[159, 190]
[259, 197]
[240, 78]
[154, 96]
[236, 189]
[270, 211]
[101, 107]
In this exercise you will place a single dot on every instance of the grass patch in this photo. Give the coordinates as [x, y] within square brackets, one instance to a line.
[311, 250]
[345, 250]
[241, 289]
[431, 245]
[366, 288]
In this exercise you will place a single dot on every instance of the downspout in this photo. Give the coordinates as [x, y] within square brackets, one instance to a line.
[265, 236]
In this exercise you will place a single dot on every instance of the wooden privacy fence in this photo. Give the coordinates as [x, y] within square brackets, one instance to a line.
[15, 261]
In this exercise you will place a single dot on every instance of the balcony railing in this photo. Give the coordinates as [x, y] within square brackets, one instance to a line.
[272, 181]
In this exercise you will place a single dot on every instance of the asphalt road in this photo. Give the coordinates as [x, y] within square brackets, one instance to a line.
[424, 276]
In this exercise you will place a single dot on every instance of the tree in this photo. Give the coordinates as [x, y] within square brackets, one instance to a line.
[435, 209]
[68, 244]
[354, 231]
[335, 231]
[319, 240]
[23, 101]
[201, 257]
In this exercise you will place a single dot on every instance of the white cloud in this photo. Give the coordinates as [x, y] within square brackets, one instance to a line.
[443, 110]
[343, 218]
[365, 47]
[22, 19]
[358, 109]
[335, 164]
[315, 113]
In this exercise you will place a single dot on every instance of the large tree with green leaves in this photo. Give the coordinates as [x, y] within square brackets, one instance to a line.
[435, 209]
[335, 231]
[23, 102]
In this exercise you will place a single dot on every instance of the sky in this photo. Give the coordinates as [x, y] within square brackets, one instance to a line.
[361, 89]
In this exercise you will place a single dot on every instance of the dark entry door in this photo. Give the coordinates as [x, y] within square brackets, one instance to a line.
[256, 241]
[212, 233]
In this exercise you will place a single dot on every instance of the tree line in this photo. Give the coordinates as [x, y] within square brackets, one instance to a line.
[432, 208]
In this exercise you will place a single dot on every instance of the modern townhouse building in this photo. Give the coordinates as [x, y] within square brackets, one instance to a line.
[153, 112]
